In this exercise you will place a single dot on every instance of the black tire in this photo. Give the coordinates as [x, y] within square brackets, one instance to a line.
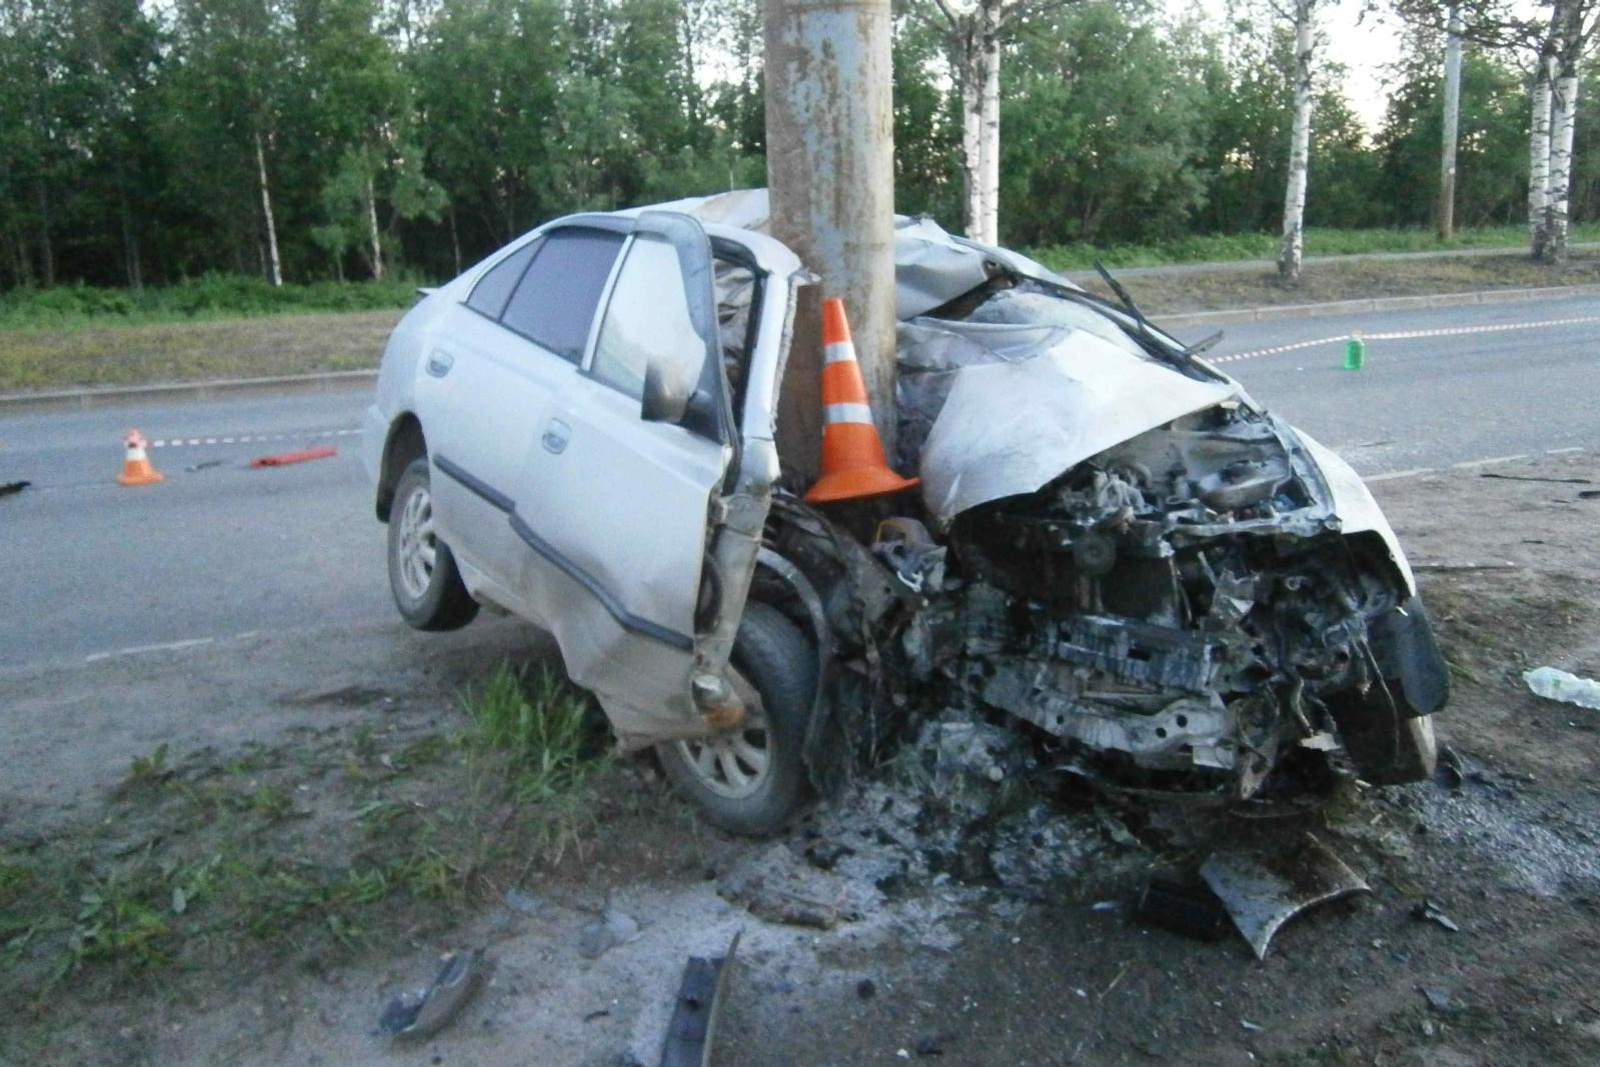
[781, 663]
[430, 596]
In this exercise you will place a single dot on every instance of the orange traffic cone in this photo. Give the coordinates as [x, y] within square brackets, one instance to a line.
[853, 466]
[136, 469]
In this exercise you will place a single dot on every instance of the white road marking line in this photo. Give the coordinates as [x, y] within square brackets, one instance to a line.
[1562, 451]
[1406, 335]
[246, 439]
[1486, 462]
[1392, 475]
[170, 646]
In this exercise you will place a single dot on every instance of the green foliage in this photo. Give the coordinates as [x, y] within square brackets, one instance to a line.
[215, 296]
[142, 144]
[540, 727]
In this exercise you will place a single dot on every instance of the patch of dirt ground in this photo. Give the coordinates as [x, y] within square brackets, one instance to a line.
[260, 905]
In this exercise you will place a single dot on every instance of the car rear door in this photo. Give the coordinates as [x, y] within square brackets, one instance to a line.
[492, 372]
[613, 509]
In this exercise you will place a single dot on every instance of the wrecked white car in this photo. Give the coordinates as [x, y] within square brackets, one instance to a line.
[1112, 543]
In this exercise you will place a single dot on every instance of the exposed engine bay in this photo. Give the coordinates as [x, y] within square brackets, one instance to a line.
[1179, 603]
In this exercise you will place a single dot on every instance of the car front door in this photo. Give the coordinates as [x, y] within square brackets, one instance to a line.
[613, 507]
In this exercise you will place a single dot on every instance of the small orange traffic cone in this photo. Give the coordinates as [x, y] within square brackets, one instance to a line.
[136, 469]
[853, 466]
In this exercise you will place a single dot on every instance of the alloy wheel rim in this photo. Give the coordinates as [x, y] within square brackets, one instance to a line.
[417, 551]
[734, 765]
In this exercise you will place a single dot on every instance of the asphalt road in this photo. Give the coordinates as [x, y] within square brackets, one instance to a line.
[221, 552]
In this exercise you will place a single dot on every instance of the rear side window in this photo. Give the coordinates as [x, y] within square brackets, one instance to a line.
[555, 303]
[494, 288]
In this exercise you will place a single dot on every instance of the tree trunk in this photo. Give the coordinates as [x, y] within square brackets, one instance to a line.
[970, 68]
[372, 231]
[989, 119]
[1452, 120]
[47, 251]
[130, 249]
[274, 264]
[1539, 157]
[1294, 200]
[1563, 116]
[455, 238]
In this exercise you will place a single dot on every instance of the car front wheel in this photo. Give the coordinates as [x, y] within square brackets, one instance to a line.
[752, 779]
[422, 573]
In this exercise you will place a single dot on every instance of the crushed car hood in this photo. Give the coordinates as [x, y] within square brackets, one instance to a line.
[1009, 428]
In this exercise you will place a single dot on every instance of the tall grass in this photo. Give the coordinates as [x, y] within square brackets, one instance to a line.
[539, 728]
[214, 296]
[1226, 248]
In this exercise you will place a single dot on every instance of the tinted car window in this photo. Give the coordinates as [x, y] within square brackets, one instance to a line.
[648, 315]
[490, 294]
[555, 303]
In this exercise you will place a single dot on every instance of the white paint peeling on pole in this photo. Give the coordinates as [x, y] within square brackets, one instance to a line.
[830, 171]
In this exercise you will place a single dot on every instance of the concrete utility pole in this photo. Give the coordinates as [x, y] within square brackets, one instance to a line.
[830, 174]
[1452, 122]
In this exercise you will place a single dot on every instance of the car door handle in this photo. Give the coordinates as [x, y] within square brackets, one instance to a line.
[556, 435]
[439, 363]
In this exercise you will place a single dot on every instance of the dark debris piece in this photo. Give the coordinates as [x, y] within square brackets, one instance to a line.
[13, 487]
[1186, 907]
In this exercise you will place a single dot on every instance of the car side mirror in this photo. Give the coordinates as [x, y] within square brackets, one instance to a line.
[666, 396]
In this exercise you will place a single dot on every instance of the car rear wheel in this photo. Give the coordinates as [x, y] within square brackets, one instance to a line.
[751, 780]
[423, 577]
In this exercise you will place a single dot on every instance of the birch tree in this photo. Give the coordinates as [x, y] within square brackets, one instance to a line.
[1294, 199]
[1572, 22]
[974, 32]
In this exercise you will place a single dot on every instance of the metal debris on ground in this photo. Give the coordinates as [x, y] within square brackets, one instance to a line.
[13, 487]
[605, 933]
[1263, 891]
[413, 1016]
[692, 1031]
[1553, 684]
[1428, 911]
[203, 465]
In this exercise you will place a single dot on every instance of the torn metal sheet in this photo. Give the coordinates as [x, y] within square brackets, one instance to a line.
[413, 1016]
[1262, 892]
[693, 1029]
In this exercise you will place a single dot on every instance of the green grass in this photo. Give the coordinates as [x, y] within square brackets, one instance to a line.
[214, 296]
[1229, 248]
[539, 728]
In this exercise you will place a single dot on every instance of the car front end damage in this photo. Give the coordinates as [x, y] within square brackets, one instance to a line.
[1113, 545]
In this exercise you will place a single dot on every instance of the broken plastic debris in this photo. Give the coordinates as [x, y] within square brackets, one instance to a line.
[420, 1014]
[285, 458]
[1552, 684]
[1428, 911]
[1262, 892]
